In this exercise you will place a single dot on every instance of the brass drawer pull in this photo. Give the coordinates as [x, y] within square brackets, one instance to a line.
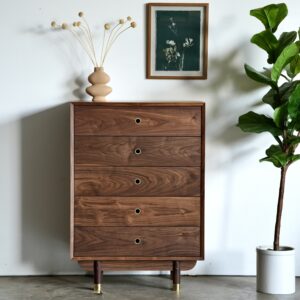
[137, 211]
[137, 241]
[138, 120]
[137, 181]
[137, 151]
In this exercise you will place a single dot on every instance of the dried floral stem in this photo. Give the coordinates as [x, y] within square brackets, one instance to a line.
[82, 44]
[88, 42]
[90, 36]
[102, 48]
[112, 42]
[107, 42]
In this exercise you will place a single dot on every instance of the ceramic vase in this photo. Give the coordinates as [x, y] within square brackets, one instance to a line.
[99, 90]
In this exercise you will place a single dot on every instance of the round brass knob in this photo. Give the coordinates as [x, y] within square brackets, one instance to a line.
[138, 211]
[138, 120]
[137, 181]
[137, 241]
[138, 151]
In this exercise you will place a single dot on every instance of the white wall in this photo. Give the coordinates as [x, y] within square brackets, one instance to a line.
[42, 70]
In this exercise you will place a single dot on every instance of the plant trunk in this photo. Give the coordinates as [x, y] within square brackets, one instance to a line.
[279, 208]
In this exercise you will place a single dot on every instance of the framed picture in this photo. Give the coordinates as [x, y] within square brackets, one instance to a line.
[177, 40]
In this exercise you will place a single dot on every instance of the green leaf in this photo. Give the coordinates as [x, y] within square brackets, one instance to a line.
[294, 158]
[285, 39]
[253, 122]
[294, 140]
[276, 156]
[268, 42]
[295, 65]
[259, 77]
[284, 58]
[275, 99]
[294, 108]
[270, 15]
[280, 115]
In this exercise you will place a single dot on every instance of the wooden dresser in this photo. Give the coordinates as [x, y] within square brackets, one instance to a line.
[137, 186]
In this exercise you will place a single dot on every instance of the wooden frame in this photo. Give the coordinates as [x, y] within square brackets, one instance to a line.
[183, 57]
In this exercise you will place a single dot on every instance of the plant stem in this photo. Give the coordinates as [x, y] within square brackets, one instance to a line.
[279, 208]
[91, 38]
[112, 42]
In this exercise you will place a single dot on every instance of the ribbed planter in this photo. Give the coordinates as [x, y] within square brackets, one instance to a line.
[275, 270]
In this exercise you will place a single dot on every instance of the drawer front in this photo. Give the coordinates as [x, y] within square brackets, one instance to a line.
[136, 241]
[137, 181]
[137, 121]
[134, 211]
[137, 151]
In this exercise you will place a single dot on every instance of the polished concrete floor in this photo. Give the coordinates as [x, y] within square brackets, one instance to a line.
[133, 288]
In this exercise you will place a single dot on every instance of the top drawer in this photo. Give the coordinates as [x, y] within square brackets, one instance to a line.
[137, 121]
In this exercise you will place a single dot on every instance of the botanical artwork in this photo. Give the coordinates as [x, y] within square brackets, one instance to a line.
[177, 40]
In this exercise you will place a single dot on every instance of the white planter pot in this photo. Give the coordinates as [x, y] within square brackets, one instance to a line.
[275, 270]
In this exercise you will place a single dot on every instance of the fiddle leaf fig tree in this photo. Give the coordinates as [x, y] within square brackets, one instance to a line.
[283, 96]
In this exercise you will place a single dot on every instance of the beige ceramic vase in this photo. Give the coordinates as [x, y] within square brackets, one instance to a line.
[99, 90]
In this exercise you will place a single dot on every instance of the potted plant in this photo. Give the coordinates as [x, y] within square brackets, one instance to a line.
[275, 265]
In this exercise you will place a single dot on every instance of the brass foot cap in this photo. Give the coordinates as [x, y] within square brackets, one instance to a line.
[97, 289]
[176, 287]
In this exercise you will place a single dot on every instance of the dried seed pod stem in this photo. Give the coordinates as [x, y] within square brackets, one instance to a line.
[86, 40]
[90, 36]
[77, 37]
[113, 41]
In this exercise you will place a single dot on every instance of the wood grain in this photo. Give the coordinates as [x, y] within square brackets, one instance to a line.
[137, 265]
[121, 121]
[122, 241]
[116, 181]
[137, 151]
[135, 211]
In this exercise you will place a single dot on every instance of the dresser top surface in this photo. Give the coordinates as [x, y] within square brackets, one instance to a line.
[141, 103]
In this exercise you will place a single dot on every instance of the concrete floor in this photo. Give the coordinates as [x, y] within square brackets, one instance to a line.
[133, 288]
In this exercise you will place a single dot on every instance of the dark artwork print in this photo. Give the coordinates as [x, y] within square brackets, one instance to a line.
[177, 40]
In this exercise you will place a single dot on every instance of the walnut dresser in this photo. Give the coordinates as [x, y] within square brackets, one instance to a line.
[137, 186]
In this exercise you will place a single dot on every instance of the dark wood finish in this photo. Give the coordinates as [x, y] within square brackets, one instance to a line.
[139, 104]
[144, 265]
[176, 272]
[104, 196]
[140, 181]
[97, 272]
[205, 40]
[137, 151]
[135, 211]
[137, 241]
[121, 121]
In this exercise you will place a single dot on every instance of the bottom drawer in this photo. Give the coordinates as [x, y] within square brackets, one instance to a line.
[136, 242]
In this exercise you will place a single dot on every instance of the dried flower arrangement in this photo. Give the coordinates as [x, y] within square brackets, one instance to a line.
[82, 33]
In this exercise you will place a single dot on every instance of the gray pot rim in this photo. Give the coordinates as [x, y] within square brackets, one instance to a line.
[267, 250]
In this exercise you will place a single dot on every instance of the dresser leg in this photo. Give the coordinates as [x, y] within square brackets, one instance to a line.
[171, 275]
[98, 274]
[176, 276]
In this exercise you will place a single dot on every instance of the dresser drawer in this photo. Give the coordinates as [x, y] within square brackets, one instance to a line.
[137, 181]
[135, 211]
[136, 241]
[137, 121]
[137, 151]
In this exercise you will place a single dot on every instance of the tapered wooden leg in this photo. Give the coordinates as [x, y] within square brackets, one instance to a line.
[176, 276]
[98, 274]
[171, 275]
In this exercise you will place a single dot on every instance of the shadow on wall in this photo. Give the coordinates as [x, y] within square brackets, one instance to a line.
[45, 190]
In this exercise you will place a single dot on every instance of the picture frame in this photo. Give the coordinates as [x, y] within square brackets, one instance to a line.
[177, 43]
